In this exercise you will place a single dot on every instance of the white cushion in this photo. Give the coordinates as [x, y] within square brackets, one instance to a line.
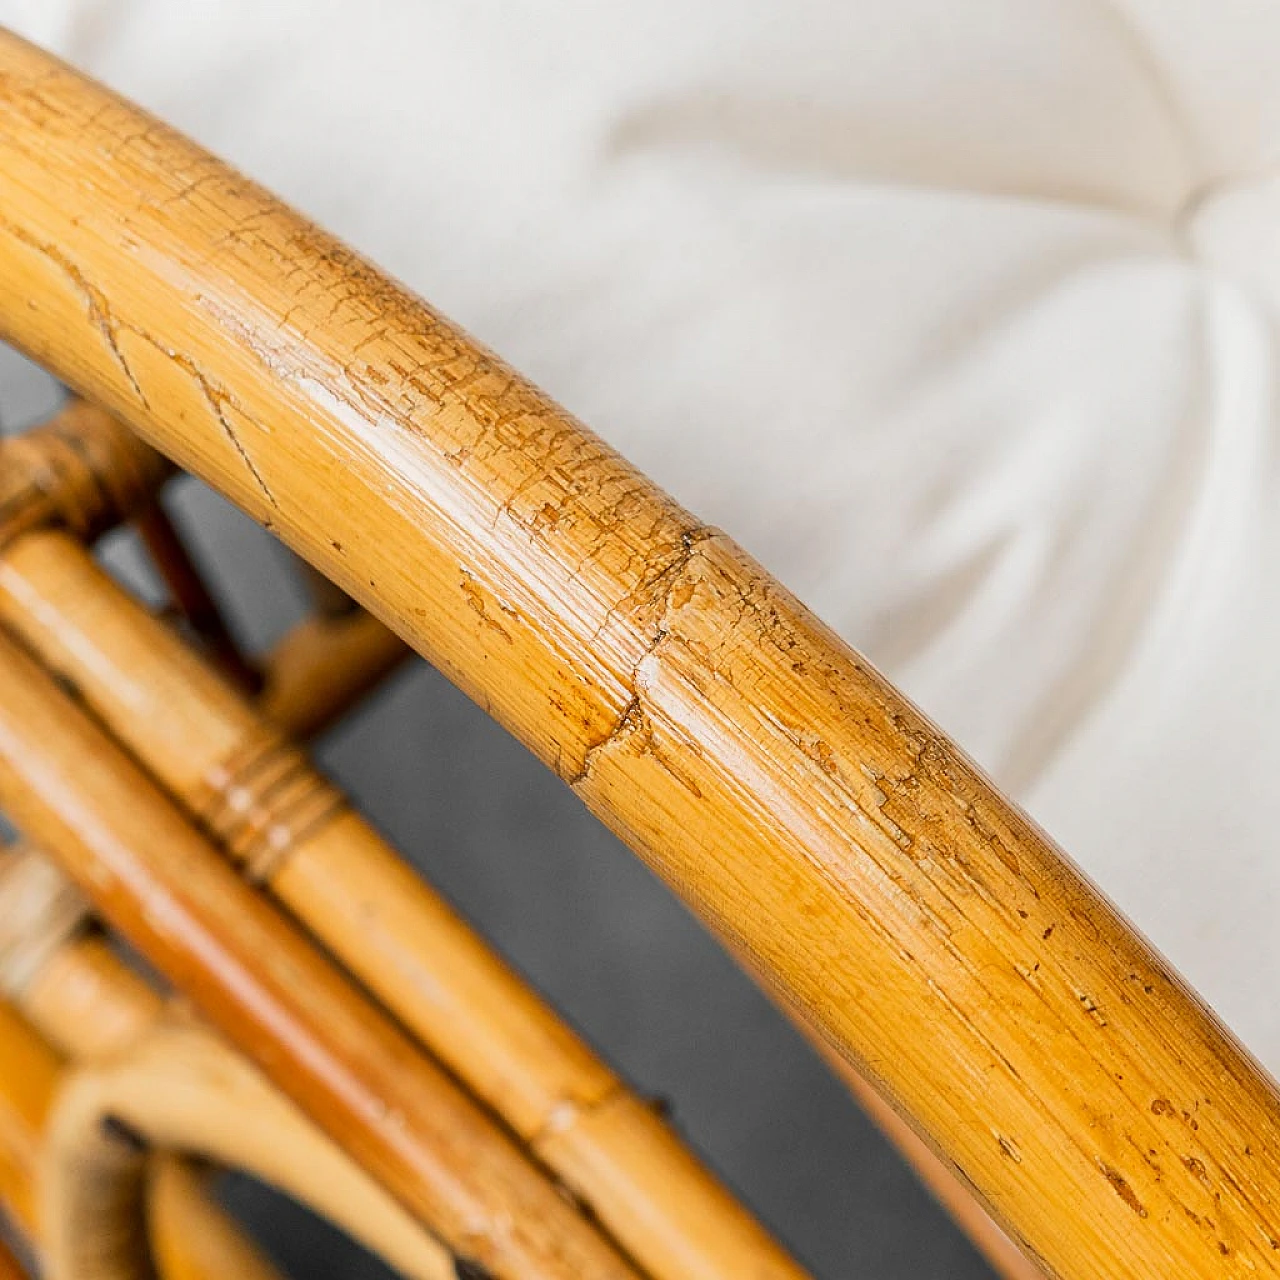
[962, 320]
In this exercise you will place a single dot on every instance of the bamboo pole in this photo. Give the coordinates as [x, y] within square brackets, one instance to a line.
[177, 717]
[198, 1239]
[324, 665]
[82, 470]
[86, 1002]
[265, 987]
[76, 998]
[834, 839]
[172, 1085]
[338, 877]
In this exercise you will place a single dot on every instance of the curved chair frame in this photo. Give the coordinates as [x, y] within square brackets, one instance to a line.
[873, 879]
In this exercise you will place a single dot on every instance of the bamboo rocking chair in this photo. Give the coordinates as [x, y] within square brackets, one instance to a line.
[381, 1064]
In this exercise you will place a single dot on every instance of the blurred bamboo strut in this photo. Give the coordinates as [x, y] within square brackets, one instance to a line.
[174, 1086]
[849, 853]
[198, 1238]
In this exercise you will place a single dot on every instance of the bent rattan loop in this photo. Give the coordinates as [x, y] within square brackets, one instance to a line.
[182, 1090]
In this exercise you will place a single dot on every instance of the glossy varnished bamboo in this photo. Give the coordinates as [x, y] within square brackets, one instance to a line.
[216, 754]
[262, 984]
[836, 841]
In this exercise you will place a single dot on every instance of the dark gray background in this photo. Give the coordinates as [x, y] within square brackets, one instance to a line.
[587, 923]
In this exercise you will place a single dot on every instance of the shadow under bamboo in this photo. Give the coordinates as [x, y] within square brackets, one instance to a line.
[264, 986]
[834, 838]
[10, 1267]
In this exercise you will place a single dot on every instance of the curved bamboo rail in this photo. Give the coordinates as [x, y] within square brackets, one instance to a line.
[849, 853]
[199, 738]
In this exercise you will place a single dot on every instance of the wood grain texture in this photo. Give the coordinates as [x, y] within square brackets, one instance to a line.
[259, 981]
[841, 845]
[219, 757]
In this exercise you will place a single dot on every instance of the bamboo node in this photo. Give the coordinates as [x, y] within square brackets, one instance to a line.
[82, 469]
[263, 801]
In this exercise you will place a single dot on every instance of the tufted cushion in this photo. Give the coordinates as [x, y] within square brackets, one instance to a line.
[962, 319]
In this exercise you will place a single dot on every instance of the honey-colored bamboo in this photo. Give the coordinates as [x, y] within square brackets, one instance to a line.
[190, 1237]
[181, 1089]
[79, 620]
[173, 1086]
[28, 1079]
[274, 996]
[1005, 1258]
[323, 665]
[175, 717]
[193, 1238]
[81, 470]
[835, 840]
[177, 1088]
[78, 998]
[86, 1002]
[332, 870]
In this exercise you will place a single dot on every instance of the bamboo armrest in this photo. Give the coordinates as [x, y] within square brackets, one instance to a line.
[850, 854]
